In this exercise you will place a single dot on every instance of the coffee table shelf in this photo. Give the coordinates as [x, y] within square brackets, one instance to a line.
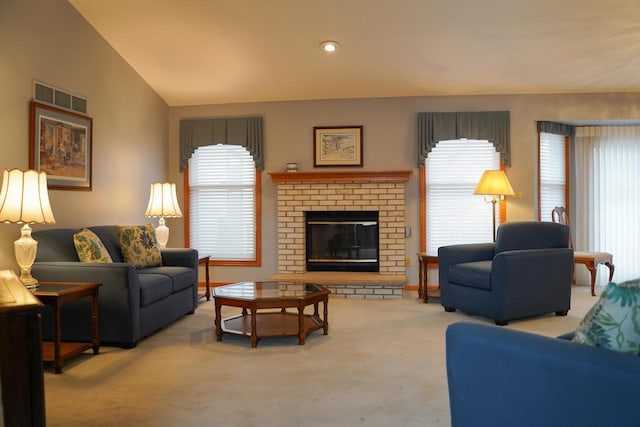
[270, 325]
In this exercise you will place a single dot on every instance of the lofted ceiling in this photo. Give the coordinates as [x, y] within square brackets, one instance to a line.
[195, 52]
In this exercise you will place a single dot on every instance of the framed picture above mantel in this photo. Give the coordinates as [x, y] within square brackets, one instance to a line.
[337, 146]
[61, 144]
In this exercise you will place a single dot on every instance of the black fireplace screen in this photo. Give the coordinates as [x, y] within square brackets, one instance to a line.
[342, 241]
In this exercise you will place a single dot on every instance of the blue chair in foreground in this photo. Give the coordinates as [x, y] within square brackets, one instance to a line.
[526, 272]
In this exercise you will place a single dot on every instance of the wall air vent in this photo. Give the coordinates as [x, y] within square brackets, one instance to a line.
[60, 98]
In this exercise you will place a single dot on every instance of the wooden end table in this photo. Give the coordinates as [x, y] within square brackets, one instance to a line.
[426, 261]
[254, 296]
[55, 294]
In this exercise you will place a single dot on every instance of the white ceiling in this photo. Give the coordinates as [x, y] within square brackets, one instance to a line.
[196, 52]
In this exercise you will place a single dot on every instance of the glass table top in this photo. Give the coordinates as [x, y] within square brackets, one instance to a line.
[263, 290]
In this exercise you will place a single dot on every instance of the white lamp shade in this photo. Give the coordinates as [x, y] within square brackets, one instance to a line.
[24, 197]
[163, 201]
[495, 183]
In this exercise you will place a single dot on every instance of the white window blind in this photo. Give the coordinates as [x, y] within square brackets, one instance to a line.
[222, 202]
[552, 173]
[454, 214]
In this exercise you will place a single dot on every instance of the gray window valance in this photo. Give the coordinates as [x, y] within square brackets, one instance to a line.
[556, 128]
[494, 126]
[244, 131]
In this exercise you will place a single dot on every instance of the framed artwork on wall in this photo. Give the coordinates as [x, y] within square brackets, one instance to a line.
[337, 146]
[61, 144]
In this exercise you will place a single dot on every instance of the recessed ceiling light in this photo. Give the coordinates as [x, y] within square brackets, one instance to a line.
[329, 46]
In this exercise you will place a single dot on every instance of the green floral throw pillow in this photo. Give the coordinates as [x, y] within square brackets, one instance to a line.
[89, 247]
[614, 321]
[138, 245]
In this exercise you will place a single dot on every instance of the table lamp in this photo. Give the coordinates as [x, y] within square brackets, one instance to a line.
[163, 203]
[24, 199]
[494, 183]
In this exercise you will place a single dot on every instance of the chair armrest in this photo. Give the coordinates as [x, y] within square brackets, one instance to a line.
[536, 271]
[180, 257]
[506, 377]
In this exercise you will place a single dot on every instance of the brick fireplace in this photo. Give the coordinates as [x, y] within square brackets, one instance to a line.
[300, 192]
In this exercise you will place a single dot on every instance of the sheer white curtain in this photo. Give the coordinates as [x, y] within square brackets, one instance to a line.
[607, 208]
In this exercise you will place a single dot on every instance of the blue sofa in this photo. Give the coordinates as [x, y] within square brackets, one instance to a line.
[133, 303]
[526, 272]
[502, 377]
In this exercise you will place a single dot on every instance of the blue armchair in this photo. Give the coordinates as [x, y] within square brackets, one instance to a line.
[526, 272]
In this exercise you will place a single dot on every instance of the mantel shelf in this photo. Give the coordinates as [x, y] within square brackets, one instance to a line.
[340, 176]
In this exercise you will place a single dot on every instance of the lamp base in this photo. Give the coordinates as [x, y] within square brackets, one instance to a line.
[162, 233]
[25, 249]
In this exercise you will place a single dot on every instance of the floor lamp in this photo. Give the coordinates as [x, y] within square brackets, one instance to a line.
[494, 183]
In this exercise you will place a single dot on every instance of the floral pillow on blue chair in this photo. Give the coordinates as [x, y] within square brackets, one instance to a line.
[138, 245]
[614, 321]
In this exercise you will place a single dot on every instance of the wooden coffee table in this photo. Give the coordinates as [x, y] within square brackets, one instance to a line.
[254, 296]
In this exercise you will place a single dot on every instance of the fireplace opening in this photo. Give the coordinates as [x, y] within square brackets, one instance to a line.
[342, 241]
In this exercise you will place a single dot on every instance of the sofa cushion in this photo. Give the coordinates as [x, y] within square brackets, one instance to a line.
[475, 274]
[138, 245]
[89, 247]
[181, 277]
[614, 321]
[153, 287]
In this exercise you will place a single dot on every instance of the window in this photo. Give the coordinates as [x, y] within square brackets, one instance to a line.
[453, 213]
[552, 188]
[607, 203]
[224, 201]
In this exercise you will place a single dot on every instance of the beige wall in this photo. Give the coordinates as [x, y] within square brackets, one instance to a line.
[49, 41]
[390, 143]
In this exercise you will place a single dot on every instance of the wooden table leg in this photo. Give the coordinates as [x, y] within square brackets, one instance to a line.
[207, 292]
[326, 313]
[254, 334]
[57, 340]
[94, 322]
[302, 333]
[218, 321]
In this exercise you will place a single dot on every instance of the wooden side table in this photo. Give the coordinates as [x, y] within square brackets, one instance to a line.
[55, 294]
[425, 261]
[204, 261]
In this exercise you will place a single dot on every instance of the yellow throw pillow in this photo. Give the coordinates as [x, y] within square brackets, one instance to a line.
[138, 245]
[89, 247]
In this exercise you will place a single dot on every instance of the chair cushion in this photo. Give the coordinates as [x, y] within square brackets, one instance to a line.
[473, 274]
[614, 321]
[598, 257]
[138, 245]
[89, 247]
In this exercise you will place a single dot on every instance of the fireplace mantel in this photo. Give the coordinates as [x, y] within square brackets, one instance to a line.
[340, 176]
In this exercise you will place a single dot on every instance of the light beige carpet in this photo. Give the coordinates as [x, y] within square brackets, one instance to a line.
[382, 364]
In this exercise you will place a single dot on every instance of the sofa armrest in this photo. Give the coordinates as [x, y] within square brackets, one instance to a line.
[180, 257]
[119, 295]
[506, 377]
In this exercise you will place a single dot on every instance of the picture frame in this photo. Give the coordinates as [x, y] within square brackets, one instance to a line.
[61, 144]
[337, 146]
